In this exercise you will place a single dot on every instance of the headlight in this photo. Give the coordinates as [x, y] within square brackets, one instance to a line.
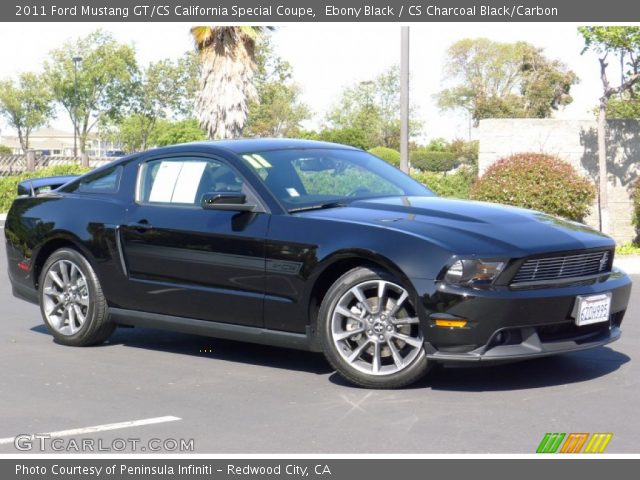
[473, 272]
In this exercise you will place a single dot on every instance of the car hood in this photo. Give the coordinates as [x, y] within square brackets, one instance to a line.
[467, 227]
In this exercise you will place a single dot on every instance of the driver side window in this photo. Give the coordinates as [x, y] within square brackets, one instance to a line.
[184, 181]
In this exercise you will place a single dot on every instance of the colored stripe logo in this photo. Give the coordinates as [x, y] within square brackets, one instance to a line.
[574, 443]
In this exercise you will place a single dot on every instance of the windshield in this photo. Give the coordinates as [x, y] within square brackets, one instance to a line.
[316, 178]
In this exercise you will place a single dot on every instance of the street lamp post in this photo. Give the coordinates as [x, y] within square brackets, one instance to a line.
[76, 62]
[368, 86]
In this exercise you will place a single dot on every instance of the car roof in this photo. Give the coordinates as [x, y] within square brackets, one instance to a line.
[248, 145]
[239, 147]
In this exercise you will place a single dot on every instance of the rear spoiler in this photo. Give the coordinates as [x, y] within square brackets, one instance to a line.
[34, 186]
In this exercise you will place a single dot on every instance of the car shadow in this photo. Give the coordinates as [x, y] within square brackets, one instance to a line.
[542, 372]
[215, 348]
[529, 374]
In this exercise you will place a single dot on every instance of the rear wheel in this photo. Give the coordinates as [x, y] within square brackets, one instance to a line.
[71, 300]
[370, 330]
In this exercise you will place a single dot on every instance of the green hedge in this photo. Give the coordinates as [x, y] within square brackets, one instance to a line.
[4, 150]
[537, 181]
[9, 185]
[454, 185]
[430, 161]
[389, 155]
[345, 136]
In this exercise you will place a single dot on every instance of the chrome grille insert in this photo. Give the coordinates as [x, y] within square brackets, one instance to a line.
[563, 267]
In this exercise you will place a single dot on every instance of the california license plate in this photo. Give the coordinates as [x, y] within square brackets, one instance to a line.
[592, 309]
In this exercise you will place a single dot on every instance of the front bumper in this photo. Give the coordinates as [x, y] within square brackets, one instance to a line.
[507, 324]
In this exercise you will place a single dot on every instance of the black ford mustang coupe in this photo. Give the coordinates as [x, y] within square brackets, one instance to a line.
[313, 246]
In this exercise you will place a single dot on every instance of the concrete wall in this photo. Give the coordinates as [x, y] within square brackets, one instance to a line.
[576, 142]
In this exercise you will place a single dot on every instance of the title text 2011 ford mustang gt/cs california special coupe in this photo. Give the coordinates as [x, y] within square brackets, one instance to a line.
[313, 246]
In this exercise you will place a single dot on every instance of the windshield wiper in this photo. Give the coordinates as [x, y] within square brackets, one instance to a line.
[319, 206]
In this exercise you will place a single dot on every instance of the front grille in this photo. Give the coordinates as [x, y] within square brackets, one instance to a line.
[563, 267]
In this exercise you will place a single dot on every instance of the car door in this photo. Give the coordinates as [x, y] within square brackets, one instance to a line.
[187, 261]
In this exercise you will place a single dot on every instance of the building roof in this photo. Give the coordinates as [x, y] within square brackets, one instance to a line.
[44, 139]
[50, 133]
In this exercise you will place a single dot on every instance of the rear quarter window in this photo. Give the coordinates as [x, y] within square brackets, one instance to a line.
[105, 181]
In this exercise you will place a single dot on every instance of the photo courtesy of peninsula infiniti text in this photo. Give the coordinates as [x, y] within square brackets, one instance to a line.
[308, 245]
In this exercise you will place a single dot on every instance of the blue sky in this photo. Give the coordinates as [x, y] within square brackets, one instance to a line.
[328, 57]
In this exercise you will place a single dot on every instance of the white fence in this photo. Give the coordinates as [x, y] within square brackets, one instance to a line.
[17, 164]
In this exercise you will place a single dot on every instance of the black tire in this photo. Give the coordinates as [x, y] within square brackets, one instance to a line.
[96, 327]
[417, 365]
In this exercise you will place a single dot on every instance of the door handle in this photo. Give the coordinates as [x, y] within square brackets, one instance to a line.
[141, 226]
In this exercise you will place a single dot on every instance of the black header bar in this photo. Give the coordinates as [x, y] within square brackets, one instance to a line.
[281, 11]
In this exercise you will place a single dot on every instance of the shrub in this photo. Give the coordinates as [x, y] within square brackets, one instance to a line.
[455, 185]
[430, 161]
[389, 155]
[4, 150]
[346, 136]
[437, 145]
[537, 181]
[636, 204]
[9, 185]
[465, 151]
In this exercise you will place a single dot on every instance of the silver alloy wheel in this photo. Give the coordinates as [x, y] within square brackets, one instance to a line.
[65, 297]
[375, 328]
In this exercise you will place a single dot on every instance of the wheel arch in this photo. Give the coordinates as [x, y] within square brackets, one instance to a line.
[58, 240]
[336, 265]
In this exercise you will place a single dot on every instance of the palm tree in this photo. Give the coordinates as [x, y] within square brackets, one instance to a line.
[228, 65]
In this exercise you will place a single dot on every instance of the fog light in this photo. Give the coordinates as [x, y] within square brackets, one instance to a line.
[440, 322]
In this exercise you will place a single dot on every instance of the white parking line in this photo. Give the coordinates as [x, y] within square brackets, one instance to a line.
[101, 428]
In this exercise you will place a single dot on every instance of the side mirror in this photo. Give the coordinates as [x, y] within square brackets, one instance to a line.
[226, 201]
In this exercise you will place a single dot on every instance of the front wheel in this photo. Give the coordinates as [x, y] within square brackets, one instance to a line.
[71, 300]
[370, 330]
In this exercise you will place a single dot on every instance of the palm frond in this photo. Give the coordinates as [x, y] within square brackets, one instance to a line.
[228, 67]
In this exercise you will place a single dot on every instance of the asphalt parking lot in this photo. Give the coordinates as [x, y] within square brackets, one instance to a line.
[232, 397]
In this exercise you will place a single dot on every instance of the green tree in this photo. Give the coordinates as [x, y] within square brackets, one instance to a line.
[355, 137]
[227, 69]
[131, 133]
[437, 145]
[500, 80]
[164, 89]
[373, 107]
[104, 79]
[624, 106]
[277, 110]
[466, 152]
[182, 131]
[26, 105]
[622, 43]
